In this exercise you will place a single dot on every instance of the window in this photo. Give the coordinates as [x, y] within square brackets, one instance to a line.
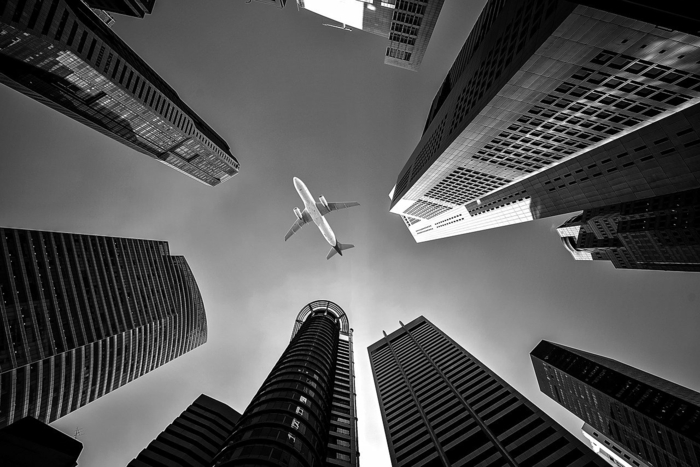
[342, 457]
[342, 431]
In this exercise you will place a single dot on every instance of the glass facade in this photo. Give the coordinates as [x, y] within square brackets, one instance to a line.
[443, 407]
[661, 233]
[61, 54]
[83, 315]
[652, 418]
[408, 24]
[304, 414]
[539, 84]
[194, 437]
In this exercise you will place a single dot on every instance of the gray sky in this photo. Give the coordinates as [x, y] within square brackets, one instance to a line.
[293, 98]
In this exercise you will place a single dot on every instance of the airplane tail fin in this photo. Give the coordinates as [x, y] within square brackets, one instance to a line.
[339, 248]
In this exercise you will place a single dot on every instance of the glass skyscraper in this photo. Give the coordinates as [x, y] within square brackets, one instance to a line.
[408, 24]
[661, 233]
[63, 55]
[652, 418]
[83, 315]
[194, 438]
[443, 407]
[304, 413]
[553, 107]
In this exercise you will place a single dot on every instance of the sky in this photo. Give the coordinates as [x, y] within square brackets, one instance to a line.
[296, 99]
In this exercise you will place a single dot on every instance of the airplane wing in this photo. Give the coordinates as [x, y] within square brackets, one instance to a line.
[306, 218]
[334, 207]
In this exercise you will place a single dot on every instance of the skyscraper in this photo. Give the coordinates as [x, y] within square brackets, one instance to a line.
[408, 24]
[83, 315]
[441, 407]
[30, 443]
[655, 233]
[608, 449]
[136, 8]
[552, 107]
[63, 55]
[194, 437]
[304, 413]
[652, 418]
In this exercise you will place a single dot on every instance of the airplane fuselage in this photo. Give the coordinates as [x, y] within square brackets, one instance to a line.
[310, 206]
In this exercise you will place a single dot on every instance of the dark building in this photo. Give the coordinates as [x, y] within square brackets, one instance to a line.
[194, 438]
[30, 443]
[660, 233]
[137, 8]
[652, 418]
[552, 107]
[304, 414]
[442, 407]
[408, 24]
[63, 55]
[82, 315]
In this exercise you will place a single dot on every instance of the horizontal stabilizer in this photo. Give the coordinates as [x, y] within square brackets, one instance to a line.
[339, 248]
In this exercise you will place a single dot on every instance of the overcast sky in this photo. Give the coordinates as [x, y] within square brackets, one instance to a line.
[294, 98]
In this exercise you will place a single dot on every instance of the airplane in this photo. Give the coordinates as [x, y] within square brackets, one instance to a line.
[314, 212]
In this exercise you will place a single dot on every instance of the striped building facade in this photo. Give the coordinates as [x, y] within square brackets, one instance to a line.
[443, 407]
[83, 315]
[63, 55]
[193, 439]
[304, 413]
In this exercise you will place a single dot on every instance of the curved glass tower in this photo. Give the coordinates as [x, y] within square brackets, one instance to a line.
[304, 414]
[82, 315]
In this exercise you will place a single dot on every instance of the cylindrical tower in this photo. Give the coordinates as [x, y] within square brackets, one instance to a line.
[300, 415]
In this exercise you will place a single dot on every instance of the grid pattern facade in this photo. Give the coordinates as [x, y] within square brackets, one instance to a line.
[651, 417]
[304, 414]
[61, 54]
[412, 24]
[442, 407]
[539, 84]
[83, 315]
[660, 233]
[193, 439]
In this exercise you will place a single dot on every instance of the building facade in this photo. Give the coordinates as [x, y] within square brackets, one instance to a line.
[63, 55]
[31, 443]
[408, 24]
[442, 407]
[552, 107]
[660, 233]
[136, 8]
[82, 315]
[652, 418]
[609, 450]
[304, 413]
[194, 437]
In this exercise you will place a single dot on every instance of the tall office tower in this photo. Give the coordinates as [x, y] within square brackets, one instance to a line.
[137, 8]
[553, 107]
[194, 437]
[654, 233]
[30, 443]
[442, 407]
[408, 24]
[613, 453]
[63, 55]
[652, 418]
[83, 315]
[304, 414]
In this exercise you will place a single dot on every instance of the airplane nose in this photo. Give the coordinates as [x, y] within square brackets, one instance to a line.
[296, 182]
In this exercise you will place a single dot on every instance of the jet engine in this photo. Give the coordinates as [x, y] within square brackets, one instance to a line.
[324, 202]
[297, 213]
